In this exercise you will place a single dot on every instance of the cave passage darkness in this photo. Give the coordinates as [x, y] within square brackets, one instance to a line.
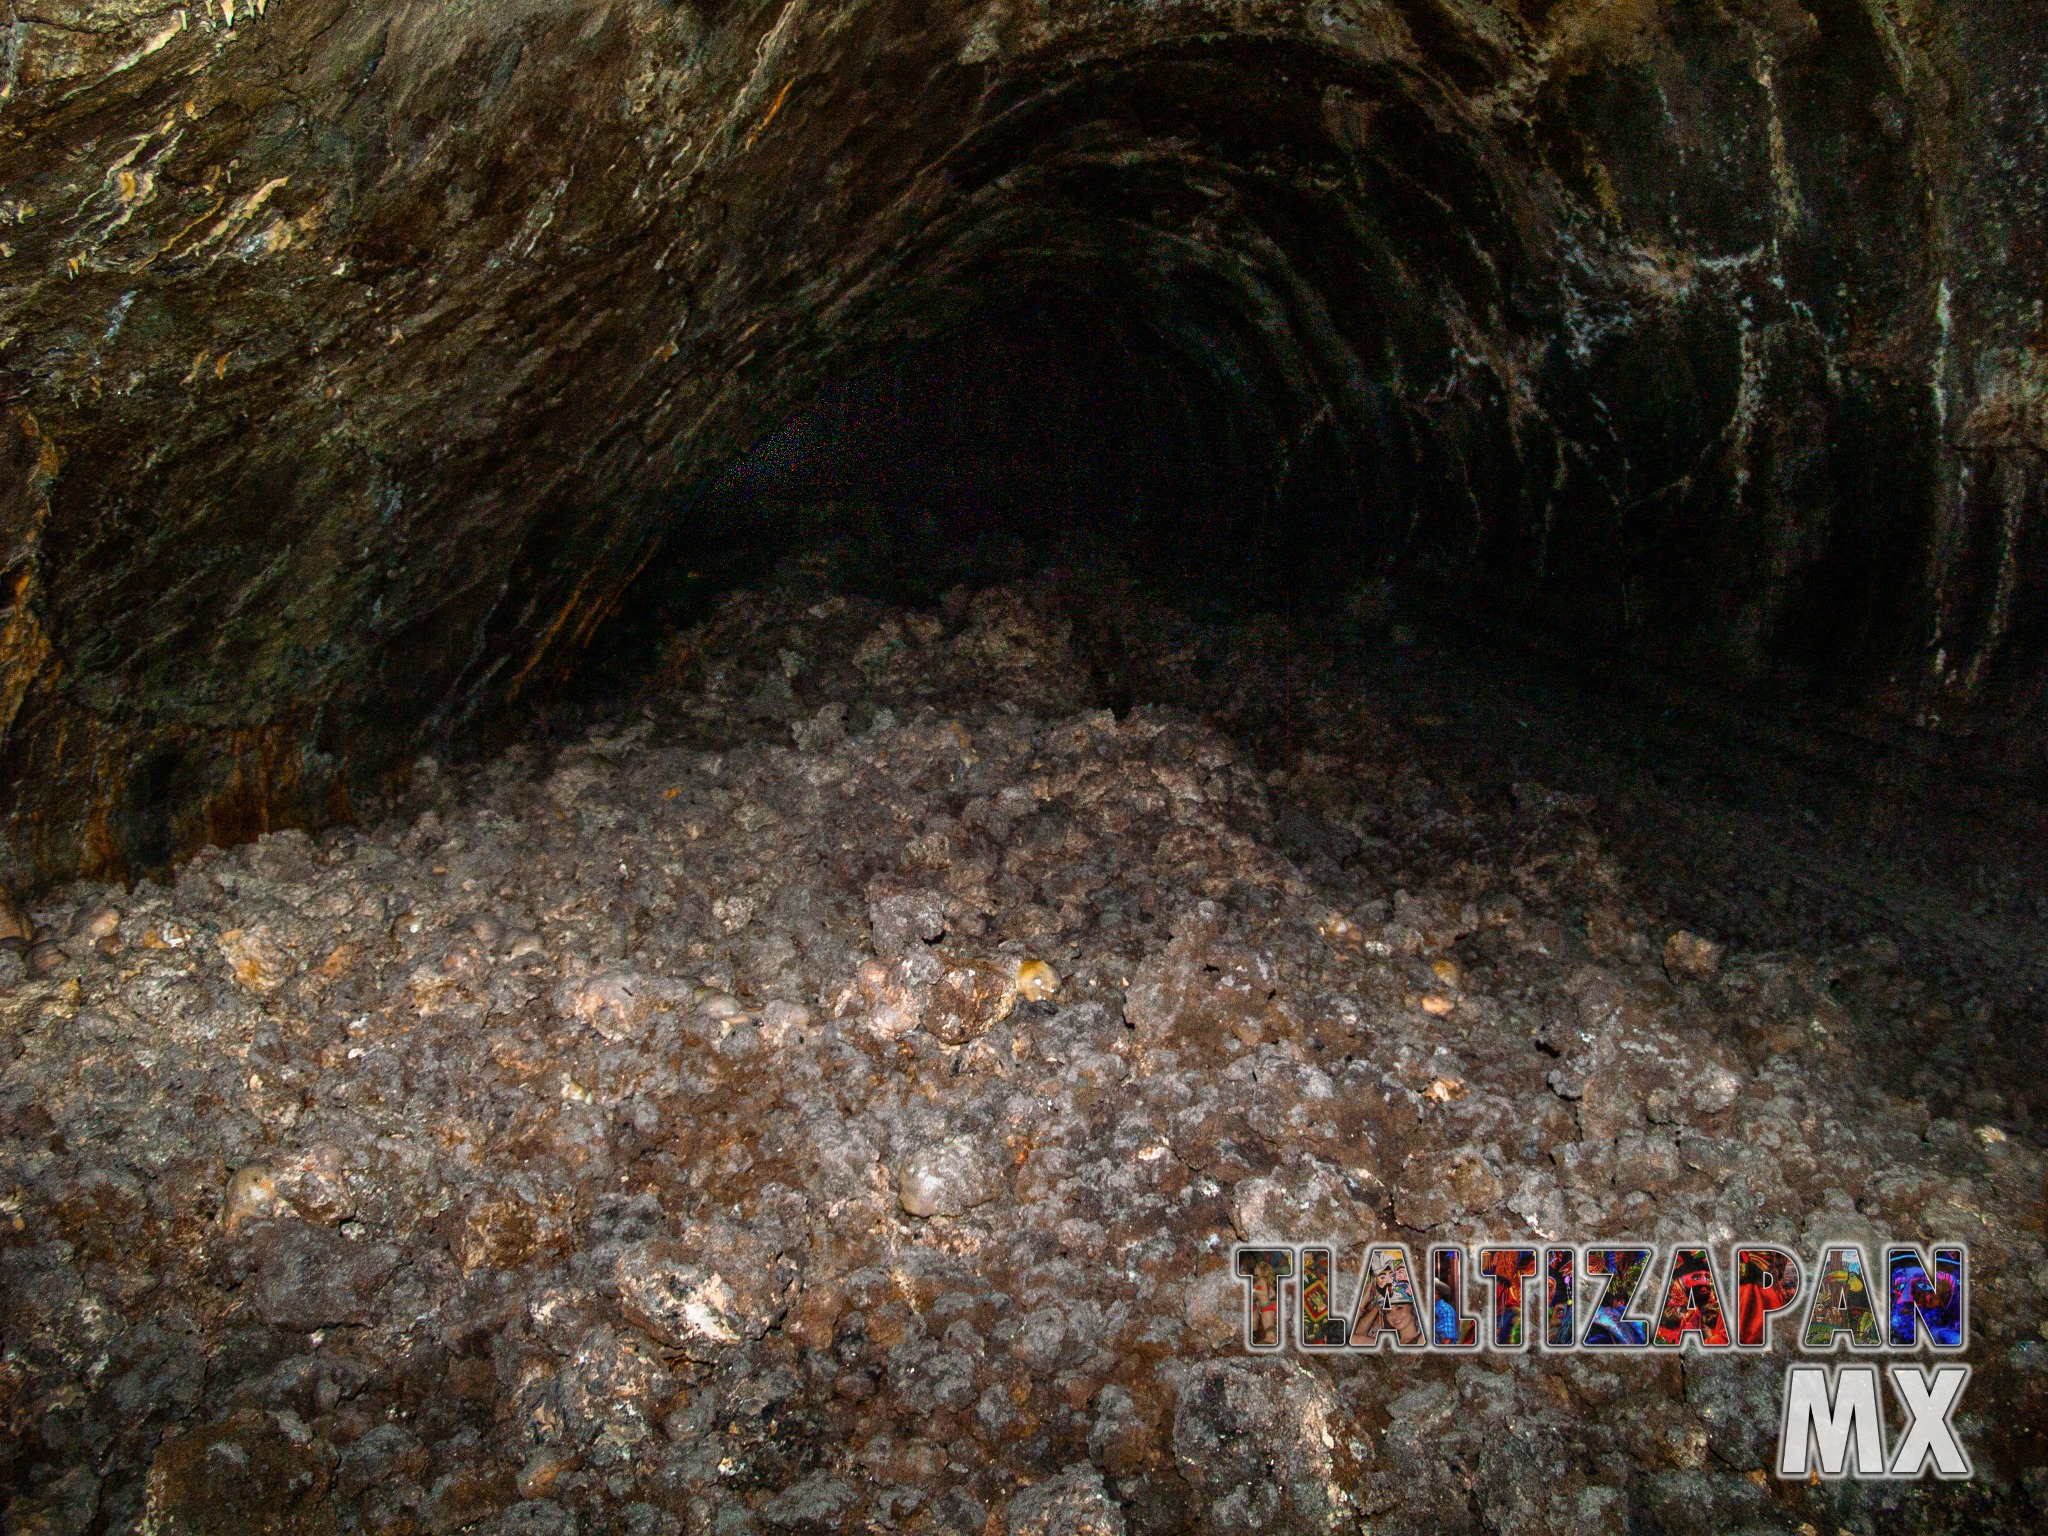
[1055, 425]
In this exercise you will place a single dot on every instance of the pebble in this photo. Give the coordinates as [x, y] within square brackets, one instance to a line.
[251, 1196]
[95, 923]
[948, 1178]
[1689, 957]
[1037, 981]
[615, 1002]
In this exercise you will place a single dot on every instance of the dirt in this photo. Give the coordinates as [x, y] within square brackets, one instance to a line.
[824, 1098]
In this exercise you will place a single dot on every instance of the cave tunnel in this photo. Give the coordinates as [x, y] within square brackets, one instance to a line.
[674, 675]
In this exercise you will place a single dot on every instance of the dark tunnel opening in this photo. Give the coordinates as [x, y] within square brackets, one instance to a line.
[1057, 428]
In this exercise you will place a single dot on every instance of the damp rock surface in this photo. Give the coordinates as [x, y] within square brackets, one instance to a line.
[358, 353]
[840, 1120]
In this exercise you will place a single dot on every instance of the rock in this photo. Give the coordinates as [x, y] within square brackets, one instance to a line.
[818, 1504]
[1036, 981]
[1254, 1439]
[1716, 1090]
[47, 959]
[705, 1294]
[246, 1476]
[1688, 957]
[948, 1178]
[252, 1196]
[538, 1517]
[1302, 1203]
[258, 960]
[661, 1268]
[1074, 1503]
[784, 1024]
[96, 923]
[1120, 1439]
[616, 1002]
[904, 919]
[970, 998]
[15, 927]
[823, 731]
[1435, 1188]
[723, 1006]
[508, 1227]
[309, 1277]
[1609, 1104]
[543, 1469]
[315, 1187]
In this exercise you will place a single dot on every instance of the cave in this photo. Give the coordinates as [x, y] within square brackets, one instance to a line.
[737, 736]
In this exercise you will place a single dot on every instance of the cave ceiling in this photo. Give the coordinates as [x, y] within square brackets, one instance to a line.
[355, 356]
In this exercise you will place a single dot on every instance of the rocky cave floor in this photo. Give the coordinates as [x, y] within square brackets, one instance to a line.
[824, 1099]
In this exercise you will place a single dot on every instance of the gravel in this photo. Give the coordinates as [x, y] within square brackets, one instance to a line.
[832, 1111]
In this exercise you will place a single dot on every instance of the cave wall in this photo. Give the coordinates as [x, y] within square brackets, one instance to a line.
[353, 354]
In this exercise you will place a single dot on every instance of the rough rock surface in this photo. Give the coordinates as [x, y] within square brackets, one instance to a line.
[353, 352]
[333, 1202]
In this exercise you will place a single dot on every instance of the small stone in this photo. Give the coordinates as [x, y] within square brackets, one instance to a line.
[314, 1187]
[906, 919]
[543, 1469]
[252, 1196]
[723, 1006]
[819, 1502]
[948, 1178]
[615, 1002]
[522, 944]
[258, 962]
[1120, 1439]
[970, 998]
[46, 959]
[1717, 1089]
[1036, 981]
[96, 923]
[1608, 1105]
[705, 1296]
[1072, 1504]
[785, 1025]
[1282, 1206]
[1689, 957]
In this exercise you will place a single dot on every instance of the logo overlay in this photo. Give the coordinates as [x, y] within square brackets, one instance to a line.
[1641, 1298]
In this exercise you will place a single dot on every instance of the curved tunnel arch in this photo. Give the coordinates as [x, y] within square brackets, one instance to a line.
[353, 402]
